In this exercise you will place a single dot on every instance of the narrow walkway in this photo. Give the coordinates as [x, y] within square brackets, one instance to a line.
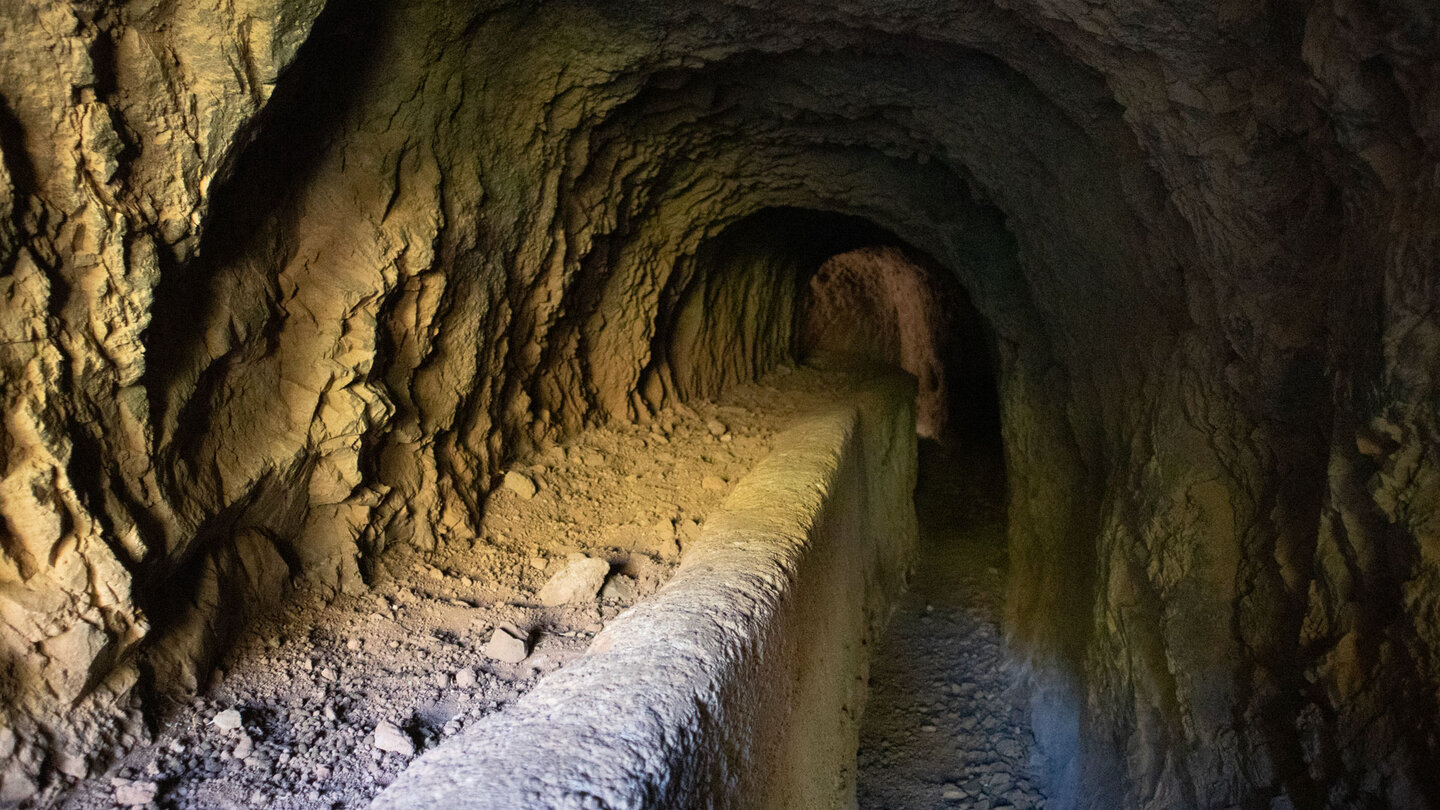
[940, 730]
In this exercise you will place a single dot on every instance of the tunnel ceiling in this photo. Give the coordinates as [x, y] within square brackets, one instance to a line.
[284, 283]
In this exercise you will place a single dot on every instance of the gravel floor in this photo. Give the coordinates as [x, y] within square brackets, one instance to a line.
[940, 729]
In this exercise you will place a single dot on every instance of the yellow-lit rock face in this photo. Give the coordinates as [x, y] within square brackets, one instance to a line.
[283, 282]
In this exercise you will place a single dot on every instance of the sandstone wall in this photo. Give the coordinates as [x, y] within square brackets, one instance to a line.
[283, 284]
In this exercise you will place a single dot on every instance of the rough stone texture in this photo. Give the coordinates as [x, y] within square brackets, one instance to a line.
[282, 285]
[739, 684]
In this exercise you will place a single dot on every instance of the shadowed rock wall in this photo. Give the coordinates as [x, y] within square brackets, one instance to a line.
[284, 284]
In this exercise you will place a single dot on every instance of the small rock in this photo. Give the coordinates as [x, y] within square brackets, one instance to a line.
[353, 645]
[442, 679]
[134, 794]
[506, 646]
[687, 530]
[520, 484]
[465, 678]
[228, 720]
[578, 581]
[716, 427]
[714, 483]
[244, 748]
[71, 764]
[952, 793]
[538, 563]
[620, 588]
[389, 737]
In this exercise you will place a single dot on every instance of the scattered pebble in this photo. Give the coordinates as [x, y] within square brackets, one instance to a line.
[520, 484]
[620, 588]
[389, 737]
[134, 794]
[228, 720]
[578, 581]
[507, 647]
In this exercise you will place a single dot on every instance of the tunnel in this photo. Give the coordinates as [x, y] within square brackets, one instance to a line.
[378, 378]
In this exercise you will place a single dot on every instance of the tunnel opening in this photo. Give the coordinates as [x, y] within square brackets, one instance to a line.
[797, 284]
[944, 720]
[886, 304]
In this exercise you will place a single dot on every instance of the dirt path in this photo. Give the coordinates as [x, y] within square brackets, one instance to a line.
[940, 730]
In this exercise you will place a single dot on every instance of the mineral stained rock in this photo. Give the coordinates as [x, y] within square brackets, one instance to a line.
[283, 282]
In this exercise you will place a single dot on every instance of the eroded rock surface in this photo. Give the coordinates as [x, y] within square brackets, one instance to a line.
[283, 283]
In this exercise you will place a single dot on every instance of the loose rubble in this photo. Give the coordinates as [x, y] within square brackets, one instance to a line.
[228, 720]
[505, 646]
[518, 483]
[579, 581]
[389, 737]
[942, 727]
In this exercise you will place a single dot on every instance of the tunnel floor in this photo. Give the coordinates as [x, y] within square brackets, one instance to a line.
[941, 729]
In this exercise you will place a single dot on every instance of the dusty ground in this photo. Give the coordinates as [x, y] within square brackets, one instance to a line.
[941, 729]
[314, 683]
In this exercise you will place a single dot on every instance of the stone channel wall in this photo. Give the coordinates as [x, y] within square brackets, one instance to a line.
[741, 683]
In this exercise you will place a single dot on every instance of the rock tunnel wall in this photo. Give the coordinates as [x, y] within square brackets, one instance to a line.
[875, 305]
[282, 283]
[750, 664]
